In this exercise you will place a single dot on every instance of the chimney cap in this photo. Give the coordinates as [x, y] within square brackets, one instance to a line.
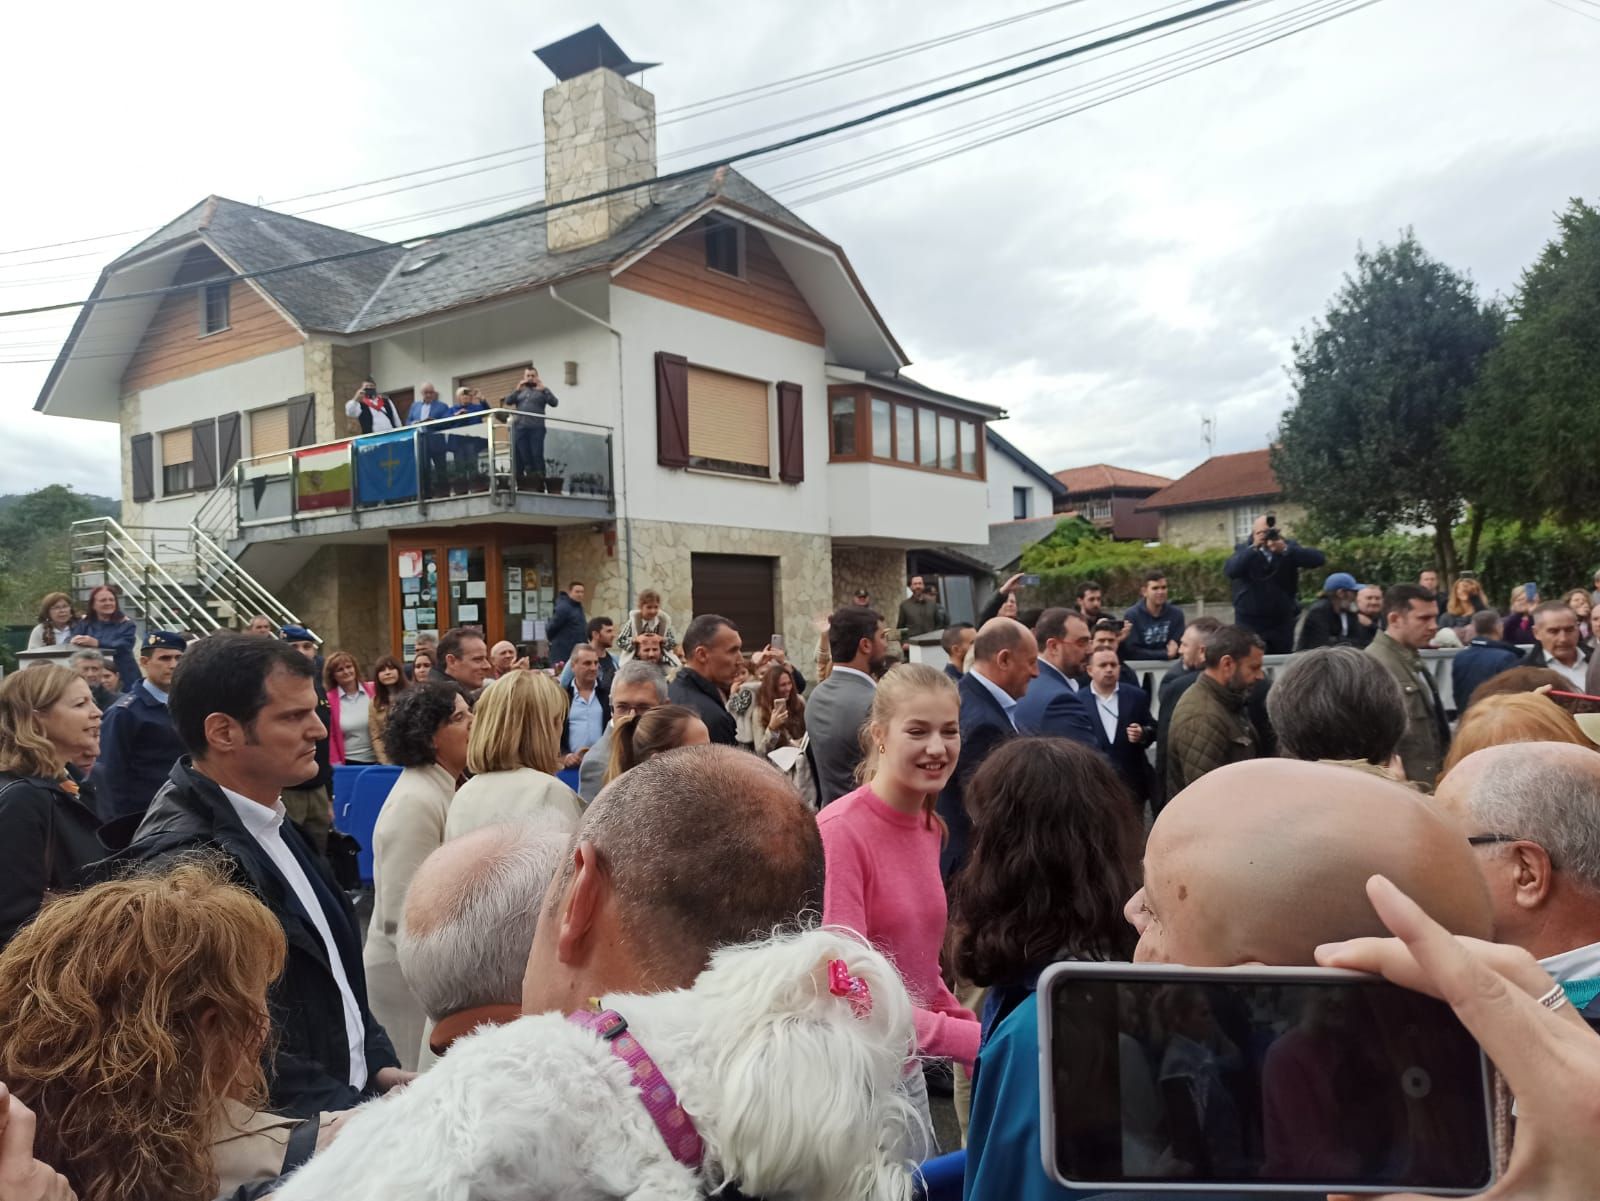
[586, 50]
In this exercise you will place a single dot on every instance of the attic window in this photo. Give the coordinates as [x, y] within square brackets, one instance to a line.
[416, 265]
[214, 309]
[725, 248]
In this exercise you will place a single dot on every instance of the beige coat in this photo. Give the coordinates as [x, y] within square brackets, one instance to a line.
[248, 1147]
[411, 826]
[523, 796]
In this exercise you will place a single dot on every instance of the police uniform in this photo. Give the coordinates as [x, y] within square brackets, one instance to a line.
[310, 805]
[138, 743]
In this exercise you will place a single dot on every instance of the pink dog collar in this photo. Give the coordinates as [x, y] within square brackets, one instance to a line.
[676, 1127]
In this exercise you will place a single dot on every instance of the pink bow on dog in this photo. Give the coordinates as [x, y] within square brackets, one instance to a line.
[854, 989]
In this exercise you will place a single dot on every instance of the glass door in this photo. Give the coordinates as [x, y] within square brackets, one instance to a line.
[420, 602]
[528, 596]
[469, 586]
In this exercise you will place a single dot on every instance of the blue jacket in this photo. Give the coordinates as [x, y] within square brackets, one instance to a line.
[1150, 635]
[1051, 707]
[424, 411]
[138, 746]
[1133, 707]
[984, 726]
[1266, 587]
[568, 627]
[1478, 660]
[116, 639]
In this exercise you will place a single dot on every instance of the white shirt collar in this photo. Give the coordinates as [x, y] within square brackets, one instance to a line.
[1007, 701]
[257, 818]
[1580, 963]
[854, 671]
[153, 691]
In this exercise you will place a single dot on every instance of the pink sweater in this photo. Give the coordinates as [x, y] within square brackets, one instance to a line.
[883, 882]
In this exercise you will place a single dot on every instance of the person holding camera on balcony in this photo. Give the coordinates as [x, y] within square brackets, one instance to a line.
[1266, 583]
[527, 440]
[373, 411]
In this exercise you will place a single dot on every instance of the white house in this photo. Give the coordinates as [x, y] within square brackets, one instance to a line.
[733, 429]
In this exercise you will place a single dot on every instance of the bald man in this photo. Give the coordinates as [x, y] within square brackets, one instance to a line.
[502, 659]
[1257, 862]
[1531, 812]
[1005, 658]
[467, 928]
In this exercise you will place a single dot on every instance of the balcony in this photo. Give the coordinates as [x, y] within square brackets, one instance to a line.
[453, 470]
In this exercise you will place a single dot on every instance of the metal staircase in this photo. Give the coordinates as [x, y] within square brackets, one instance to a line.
[170, 578]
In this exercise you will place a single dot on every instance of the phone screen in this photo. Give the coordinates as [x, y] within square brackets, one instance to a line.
[1335, 1084]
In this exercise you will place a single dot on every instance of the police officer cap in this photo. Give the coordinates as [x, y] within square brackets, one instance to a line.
[299, 634]
[163, 640]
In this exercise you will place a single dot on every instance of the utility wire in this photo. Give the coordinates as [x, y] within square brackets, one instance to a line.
[684, 173]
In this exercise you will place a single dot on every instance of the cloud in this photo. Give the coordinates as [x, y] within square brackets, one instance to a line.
[61, 450]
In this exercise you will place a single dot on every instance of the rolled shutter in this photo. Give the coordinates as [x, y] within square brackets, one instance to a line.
[204, 435]
[302, 420]
[730, 419]
[141, 448]
[227, 443]
[791, 434]
[672, 409]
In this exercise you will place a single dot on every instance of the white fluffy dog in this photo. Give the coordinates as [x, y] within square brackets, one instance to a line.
[794, 1094]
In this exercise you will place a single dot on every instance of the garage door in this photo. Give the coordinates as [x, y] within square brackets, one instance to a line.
[740, 588]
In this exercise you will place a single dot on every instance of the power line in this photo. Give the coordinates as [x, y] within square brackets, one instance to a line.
[1577, 12]
[677, 113]
[684, 173]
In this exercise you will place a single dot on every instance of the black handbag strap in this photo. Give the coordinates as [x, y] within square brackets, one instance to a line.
[302, 1145]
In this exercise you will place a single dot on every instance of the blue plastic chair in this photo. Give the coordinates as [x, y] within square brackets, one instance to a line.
[365, 791]
[569, 777]
[942, 1178]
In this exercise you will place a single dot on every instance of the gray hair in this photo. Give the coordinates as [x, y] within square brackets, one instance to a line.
[86, 654]
[636, 671]
[1336, 703]
[1547, 793]
[475, 950]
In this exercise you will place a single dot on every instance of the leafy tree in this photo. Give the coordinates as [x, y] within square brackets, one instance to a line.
[35, 546]
[1532, 441]
[1379, 383]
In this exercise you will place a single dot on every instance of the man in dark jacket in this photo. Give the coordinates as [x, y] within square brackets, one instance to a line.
[1486, 655]
[1120, 717]
[1266, 584]
[1332, 620]
[1210, 726]
[462, 662]
[568, 625]
[1192, 655]
[711, 659]
[246, 708]
[138, 744]
[1155, 624]
[310, 802]
[527, 440]
[920, 613]
[588, 707]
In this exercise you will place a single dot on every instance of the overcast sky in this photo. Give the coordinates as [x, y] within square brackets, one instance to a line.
[1108, 278]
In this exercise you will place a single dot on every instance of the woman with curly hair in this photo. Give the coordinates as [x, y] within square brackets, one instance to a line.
[1466, 598]
[133, 1016]
[428, 733]
[55, 621]
[1054, 859]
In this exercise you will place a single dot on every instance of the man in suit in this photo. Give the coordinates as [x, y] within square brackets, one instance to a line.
[1005, 662]
[1123, 727]
[246, 709]
[838, 707]
[1051, 704]
[588, 706]
[1531, 811]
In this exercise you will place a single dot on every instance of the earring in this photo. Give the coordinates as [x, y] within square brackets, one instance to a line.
[882, 749]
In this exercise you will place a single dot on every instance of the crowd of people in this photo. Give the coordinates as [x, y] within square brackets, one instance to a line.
[743, 924]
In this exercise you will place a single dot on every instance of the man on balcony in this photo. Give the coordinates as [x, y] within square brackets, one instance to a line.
[372, 410]
[430, 408]
[527, 440]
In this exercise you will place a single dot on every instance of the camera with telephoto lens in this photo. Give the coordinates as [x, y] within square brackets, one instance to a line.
[1274, 534]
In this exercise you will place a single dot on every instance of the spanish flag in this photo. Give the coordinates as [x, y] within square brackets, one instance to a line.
[324, 477]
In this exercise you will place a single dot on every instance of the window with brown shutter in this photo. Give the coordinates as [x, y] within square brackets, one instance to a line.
[672, 409]
[302, 420]
[729, 422]
[177, 461]
[791, 434]
[269, 431]
[203, 439]
[227, 443]
[494, 385]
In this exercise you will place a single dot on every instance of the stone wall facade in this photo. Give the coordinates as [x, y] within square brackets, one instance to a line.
[334, 374]
[340, 594]
[880, 570]
[1212, 528]
[599, 133]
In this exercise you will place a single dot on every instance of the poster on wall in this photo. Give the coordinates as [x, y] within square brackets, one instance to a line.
[514, 603]
[408, 563]
[411, 584]
[513, 579]
[466, 614]
[530, 602]
[477, 590]
[458, 562]
[409, 617]
[426, 617]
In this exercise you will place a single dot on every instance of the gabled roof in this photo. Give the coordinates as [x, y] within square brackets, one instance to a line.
[1027, 464]
[1007, 538]
[1102, 477]
[1220, 480]
[903, 385]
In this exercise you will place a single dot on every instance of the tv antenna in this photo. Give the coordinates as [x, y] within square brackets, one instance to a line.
[1208, 434]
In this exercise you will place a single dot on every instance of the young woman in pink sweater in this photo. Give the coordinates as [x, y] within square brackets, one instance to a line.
[882, 846]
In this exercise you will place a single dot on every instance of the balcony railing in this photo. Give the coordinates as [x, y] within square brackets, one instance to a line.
[500, 454]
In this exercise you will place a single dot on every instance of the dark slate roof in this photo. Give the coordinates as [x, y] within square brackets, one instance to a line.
[1006, 540]
[370, 289]
[1056, 487]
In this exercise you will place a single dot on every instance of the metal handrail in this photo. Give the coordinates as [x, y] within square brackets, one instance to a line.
[242, 591]
[140, 577]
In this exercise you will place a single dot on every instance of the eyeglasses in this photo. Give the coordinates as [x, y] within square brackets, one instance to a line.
[624, 709]
[1484, 840]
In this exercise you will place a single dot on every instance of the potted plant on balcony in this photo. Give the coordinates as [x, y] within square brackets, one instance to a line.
[555, 476]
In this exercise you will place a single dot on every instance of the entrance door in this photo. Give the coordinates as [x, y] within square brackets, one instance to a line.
[740, 588]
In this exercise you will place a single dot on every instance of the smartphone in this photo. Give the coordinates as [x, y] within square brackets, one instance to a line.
[776, 642]
[1255, 1080]
[1532, 593]
[1030, 581]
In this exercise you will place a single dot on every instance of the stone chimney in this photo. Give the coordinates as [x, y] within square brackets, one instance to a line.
[599, 133]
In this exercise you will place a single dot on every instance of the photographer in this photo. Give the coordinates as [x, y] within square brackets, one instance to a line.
[1266, 583]
[533, 398]
[372, 410]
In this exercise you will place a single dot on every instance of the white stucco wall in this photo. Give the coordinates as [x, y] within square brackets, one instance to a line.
[874, 500]
[239, 387]
[659, 493]
[1004, 475]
